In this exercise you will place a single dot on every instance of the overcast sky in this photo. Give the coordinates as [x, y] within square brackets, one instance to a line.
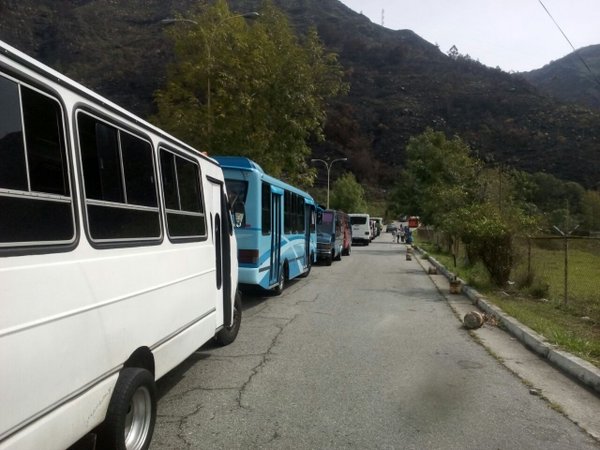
[516, 35]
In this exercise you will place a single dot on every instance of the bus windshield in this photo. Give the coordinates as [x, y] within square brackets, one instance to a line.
[358, 220]
[325, 223]
[237, 191]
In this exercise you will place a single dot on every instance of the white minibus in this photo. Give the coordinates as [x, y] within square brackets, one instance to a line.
[361, 228]
[117, 261]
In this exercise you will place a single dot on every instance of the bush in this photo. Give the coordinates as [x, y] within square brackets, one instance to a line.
[496, 254]
[538, 289]
[531, 284]
[489, 240]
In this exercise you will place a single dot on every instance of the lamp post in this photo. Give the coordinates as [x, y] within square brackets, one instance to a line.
[208, 37]
[328, 166]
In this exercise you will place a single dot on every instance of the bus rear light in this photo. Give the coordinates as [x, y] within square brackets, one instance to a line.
[248, 256]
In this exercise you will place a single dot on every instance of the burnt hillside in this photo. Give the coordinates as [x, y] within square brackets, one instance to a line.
[400, 84]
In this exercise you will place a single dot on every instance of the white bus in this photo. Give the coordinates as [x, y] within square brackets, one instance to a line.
[117, 261]
[361, 228]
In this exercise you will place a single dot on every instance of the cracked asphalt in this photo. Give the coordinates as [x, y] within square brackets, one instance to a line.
[365, 354]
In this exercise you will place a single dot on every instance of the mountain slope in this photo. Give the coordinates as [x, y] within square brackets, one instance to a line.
[568, 79]
[400, 84]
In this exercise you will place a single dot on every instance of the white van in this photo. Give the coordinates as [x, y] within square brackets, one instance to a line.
[117, 261]
[361, 228]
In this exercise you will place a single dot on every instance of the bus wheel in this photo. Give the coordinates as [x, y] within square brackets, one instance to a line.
[277, 290]
[228, 334]
[339, 256]
[131, 412]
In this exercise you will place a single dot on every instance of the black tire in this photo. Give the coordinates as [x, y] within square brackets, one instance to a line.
[329, 260]
[339, 256]
[228, 334]
[278, 289]
[131, 413]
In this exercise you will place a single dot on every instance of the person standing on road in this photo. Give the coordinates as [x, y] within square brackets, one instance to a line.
[408, 236]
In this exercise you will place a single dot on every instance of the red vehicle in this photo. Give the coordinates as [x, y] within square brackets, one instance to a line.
[347, 232]
[413, 222]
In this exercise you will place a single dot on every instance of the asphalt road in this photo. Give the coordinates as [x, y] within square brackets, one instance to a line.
[364, 354]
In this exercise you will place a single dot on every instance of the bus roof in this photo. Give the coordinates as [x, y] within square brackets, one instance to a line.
[243, 163]
[238, 162]
[72, 85]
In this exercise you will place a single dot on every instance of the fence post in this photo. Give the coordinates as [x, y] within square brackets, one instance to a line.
[529, 257]
[566, 247]
[566, 298]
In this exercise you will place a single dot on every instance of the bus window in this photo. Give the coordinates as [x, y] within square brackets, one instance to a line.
[266, 208]
[34, 181]
[120, 188]
[183, 201]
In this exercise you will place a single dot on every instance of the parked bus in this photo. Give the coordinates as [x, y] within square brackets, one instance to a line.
[330, 235]
[347, 233]
[361, 228]
[117, 261]
[275, 225]
[378, 225]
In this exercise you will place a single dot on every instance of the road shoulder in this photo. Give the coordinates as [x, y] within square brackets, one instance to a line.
[577, 402]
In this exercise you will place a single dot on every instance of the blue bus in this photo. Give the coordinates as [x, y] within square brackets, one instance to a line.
[330, 235]
[275, 225]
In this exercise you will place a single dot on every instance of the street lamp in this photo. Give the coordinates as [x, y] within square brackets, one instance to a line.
[208, 38]
[328, 166]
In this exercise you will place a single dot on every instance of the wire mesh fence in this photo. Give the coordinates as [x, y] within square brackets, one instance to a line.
[562, 269]
[566, 268]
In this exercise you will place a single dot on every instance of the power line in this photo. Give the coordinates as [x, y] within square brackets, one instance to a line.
[569, 41]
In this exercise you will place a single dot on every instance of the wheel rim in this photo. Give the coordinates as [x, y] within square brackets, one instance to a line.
[138, 419]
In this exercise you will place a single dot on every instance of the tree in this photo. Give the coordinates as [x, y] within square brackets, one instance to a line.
[348, 195]
[245, 89]
[452, 191]
[590, 205]
[439, 177]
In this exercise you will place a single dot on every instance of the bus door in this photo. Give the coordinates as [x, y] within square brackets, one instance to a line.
[308, 225]
[276, 215]
[221, 239]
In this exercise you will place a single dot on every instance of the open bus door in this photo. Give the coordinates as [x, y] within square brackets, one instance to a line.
[310, 224]
[221, 236]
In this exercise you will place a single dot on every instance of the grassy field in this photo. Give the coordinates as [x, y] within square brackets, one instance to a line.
[538, 300]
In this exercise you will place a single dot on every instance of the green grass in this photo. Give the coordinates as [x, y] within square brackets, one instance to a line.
[561, 324]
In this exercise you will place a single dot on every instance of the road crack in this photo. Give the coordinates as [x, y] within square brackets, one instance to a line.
[265, 358]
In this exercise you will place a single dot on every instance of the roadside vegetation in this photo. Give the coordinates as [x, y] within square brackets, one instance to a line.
[498, 229]
[249, 87]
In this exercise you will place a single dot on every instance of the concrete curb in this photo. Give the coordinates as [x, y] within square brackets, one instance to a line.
[572, 365]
